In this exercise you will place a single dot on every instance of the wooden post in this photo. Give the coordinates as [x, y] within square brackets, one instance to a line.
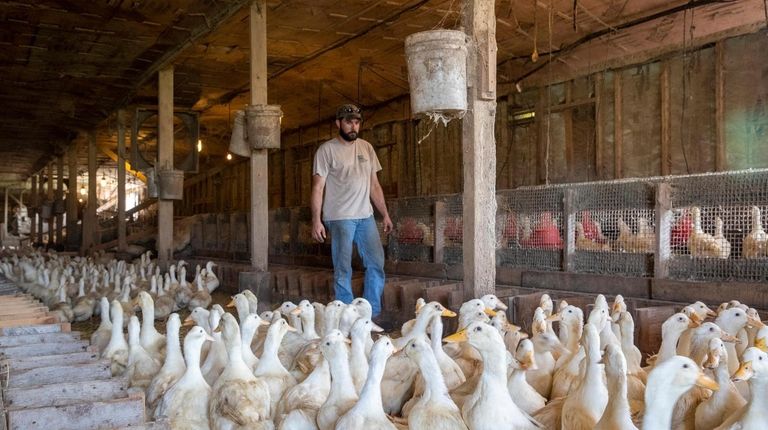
[541, 134]
[479, 147]
[121, 160]
[59, 196]
[89, 217]
[5, 215]
[259, 157]
[599, 124]
[618, 132]
[164, 162]
[72, 197]
[721, 160]
[503, 111]
[666, 125]
[40, 199]
[570, 230]
[663, 227]
[34, 201]
[568, 131]
[441, 211]
[49, 191]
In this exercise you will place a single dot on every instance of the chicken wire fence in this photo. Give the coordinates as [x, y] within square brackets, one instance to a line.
[413, 237]
[452, 227]
[716, 230]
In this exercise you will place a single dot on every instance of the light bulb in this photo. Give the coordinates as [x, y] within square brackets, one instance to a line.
[199, 145]
[83, 191]
[229, 156]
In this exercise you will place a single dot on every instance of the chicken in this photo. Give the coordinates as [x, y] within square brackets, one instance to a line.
[755, 244]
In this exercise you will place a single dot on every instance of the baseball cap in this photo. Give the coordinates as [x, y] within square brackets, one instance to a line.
[348, 111]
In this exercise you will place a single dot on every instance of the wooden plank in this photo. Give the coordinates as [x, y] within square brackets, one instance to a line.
[34, 329]
[587, 283]
[104, 414]
[570, 229]
[31, 350]
[618, 131]
[22, 314]
[713, 293]
[60, 373]
[6, 341]
[720, 154]
[66, 393]
[666, 125]
[568, 131]
[541, 130]
[161, 424]
[23, 363]
[663, 251]
[27, 321]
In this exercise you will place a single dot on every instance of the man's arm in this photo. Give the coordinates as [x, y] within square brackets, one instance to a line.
[377, 197]
[316, 203]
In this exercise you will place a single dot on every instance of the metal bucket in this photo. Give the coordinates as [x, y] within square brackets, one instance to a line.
[46, 209]
[152, 190]
[238, 144]
[171, 184]
[437, 71]
[263, 126]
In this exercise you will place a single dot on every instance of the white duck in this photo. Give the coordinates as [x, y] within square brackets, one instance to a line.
[100, 338]
[210, 280]
[368, 412]
[526, 397]
[733, 320]
[669, 380]
[248, 329]
[297, 409]
[117, 348]
[754, 415]
[142, 367]
[216, 359]
[358, 360]
[616, 415]
[186, 402]
[725, 401]
[585, 404]
[342, 395]
[435, 408]
[151, 340]
[269, 369]
[491, 397]
[238, 398]
[173, 367]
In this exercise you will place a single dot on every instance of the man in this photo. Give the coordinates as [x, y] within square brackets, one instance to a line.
[345, 168]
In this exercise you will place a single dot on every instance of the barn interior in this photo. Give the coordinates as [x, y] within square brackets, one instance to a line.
[607, 148]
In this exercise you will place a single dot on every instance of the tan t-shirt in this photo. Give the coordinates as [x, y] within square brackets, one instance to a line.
[347, 169]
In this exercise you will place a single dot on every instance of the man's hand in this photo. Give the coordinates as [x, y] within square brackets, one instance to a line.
[387, 225]
[318, 231]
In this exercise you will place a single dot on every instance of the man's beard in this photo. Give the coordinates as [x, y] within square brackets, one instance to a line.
[349, 137]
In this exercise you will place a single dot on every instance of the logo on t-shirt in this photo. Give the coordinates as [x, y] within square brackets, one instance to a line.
[361, 158]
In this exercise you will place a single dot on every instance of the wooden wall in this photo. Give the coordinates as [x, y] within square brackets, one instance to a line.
[699, 111]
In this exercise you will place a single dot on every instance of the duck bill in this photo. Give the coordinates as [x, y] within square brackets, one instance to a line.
[448, 313]
[755, 322]
[459, 336]
[711, 313]
[209, 338]
[554, 317]
[523, 336]
[744, 372]
[231, 303]
[761, 344]
[696, 319]
[263, 322]
[528, 362]
[712, 361]
[616, 308]
[376, 328]
[707, 382]
[513, 328]
[291, 328]
[188, 322]
[490, 312]
[502, 306]
[296, 311]
[725, 337]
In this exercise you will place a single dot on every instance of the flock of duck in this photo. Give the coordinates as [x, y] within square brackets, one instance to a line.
[315, 366]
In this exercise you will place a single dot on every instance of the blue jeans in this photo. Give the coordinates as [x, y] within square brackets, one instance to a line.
[364, 234]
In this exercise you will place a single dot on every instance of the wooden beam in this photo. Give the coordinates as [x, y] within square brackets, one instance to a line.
[89, 218]
[72, 196]
[541, 134]
[599, 124]
[479, 150]
[259, 240]
[568, 132]
[59, 196]
[666, 125]
[106, 150]
[49, 195]
[618, 130]
[122, 164]
[721, 159]
[165, 162]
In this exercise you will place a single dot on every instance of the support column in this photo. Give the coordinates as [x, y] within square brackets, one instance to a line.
[72, 197]
[34, 202]
[49, 191]
[165, 162]
[479, 147]
[5, 215]
[59, 196]
[121, 160]
[259, 157]
[89, 217]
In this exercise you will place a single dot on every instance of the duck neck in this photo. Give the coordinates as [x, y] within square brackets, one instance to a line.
[341, 377]
[173, 346]
[105, 321]
[192, 358]
[370, 396]
[308, 326]
[434, 383]
[248, 333]
[758, 387]
[436, 336]
[269, 357]
[618, 405]
[668, 346]
[574, 330]
[494, 363]
[147, 321]
[117, 338]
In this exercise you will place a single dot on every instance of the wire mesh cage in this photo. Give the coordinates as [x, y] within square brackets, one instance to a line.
[280, 231]
[414, 236]
[614, 227]
[717, 231]
[535, 215]
[451, 224]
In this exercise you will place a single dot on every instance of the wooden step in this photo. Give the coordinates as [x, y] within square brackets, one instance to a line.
[6, 341]
[35, 329]
[36, 349]
[114, 413]
[62, 373]
[24, 363]
[66, 393]
[161, 424]
[27, 321]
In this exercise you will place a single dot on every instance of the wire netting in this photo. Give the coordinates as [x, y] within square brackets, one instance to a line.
[533, 228]
[615, 227]
[452, 226]
[414, 236]
[717, 230]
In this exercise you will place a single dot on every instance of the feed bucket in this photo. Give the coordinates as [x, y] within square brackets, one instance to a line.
[437, 71]
[171, 184]
[238, 144]
[263, 126]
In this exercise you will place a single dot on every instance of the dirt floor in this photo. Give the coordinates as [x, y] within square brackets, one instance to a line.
[86, 328]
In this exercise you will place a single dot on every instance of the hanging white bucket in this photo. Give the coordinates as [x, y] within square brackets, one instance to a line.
[171, 184]
[238, 144]
[437, 72]
[263, 126]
